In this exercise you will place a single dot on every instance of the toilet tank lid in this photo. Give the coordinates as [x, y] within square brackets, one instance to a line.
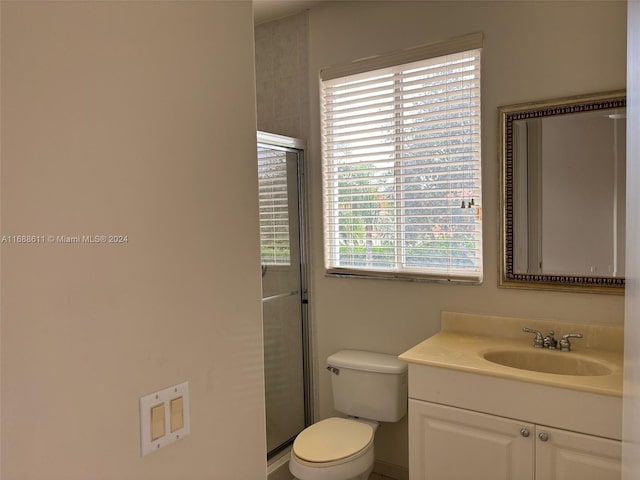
[367, 361]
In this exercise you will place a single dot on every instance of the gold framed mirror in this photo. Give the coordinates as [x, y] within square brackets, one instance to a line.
[562, 194]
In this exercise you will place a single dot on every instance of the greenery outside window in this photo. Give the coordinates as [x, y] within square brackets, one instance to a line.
[402, 165]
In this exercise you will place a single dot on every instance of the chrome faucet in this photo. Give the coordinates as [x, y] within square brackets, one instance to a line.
[549, 341]
[565, 345]
[538, 341]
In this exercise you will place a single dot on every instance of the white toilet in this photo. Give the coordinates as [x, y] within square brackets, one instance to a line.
[370, 388]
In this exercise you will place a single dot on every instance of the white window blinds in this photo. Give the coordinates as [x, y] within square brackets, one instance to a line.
[401, 170]
[274, 207]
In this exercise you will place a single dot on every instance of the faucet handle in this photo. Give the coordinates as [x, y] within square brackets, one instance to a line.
[538, 341]
[565, 345]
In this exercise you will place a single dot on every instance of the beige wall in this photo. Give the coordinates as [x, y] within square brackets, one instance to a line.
[282, 71]
[131, 118]
[532, 51]
[631, 402]
[578, 195]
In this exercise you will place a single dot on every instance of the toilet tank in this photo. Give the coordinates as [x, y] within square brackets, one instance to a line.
[369, 385]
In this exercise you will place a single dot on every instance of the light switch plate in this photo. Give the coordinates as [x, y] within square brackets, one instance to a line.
[163, 398]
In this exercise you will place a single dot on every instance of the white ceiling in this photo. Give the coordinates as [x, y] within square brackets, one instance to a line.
[267, 10]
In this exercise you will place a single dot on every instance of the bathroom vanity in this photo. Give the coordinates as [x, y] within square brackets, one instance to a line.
[485, 404]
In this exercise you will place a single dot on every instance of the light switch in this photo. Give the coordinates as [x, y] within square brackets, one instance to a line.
[157, 421]
[164, 417]
[177, 414]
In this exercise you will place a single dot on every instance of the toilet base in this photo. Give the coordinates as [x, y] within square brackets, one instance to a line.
[364, 476]
[359, 468]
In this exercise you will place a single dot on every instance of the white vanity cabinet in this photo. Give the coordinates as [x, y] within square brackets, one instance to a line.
[449, 443]
[575, 456]
[494, 407]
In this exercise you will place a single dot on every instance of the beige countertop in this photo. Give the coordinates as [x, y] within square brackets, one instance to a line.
[463, 349]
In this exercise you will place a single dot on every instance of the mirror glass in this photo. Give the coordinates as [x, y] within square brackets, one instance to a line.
[563, 193]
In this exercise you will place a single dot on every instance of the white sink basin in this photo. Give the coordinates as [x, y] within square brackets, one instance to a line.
[548, 361]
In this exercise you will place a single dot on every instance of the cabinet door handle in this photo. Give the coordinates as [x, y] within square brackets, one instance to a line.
[524, 432]
[543, 436]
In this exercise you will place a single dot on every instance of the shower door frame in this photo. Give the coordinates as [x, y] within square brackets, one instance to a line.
[298, 146]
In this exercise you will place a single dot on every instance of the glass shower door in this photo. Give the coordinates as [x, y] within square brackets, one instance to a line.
[283, 294]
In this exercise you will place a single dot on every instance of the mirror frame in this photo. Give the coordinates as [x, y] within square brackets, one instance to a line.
[508, 278]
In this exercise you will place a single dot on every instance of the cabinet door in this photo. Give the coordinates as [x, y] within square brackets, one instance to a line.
[447, 443]
[562, 455]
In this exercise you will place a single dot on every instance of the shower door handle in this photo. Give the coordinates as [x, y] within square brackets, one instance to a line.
[280, 295]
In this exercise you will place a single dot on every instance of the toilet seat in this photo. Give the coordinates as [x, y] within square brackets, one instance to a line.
[333, 441]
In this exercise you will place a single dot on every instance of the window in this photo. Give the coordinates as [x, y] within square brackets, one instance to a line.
[401, 165]
[275, 248]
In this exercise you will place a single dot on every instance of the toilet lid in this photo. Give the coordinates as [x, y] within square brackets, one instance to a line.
[332, 439]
